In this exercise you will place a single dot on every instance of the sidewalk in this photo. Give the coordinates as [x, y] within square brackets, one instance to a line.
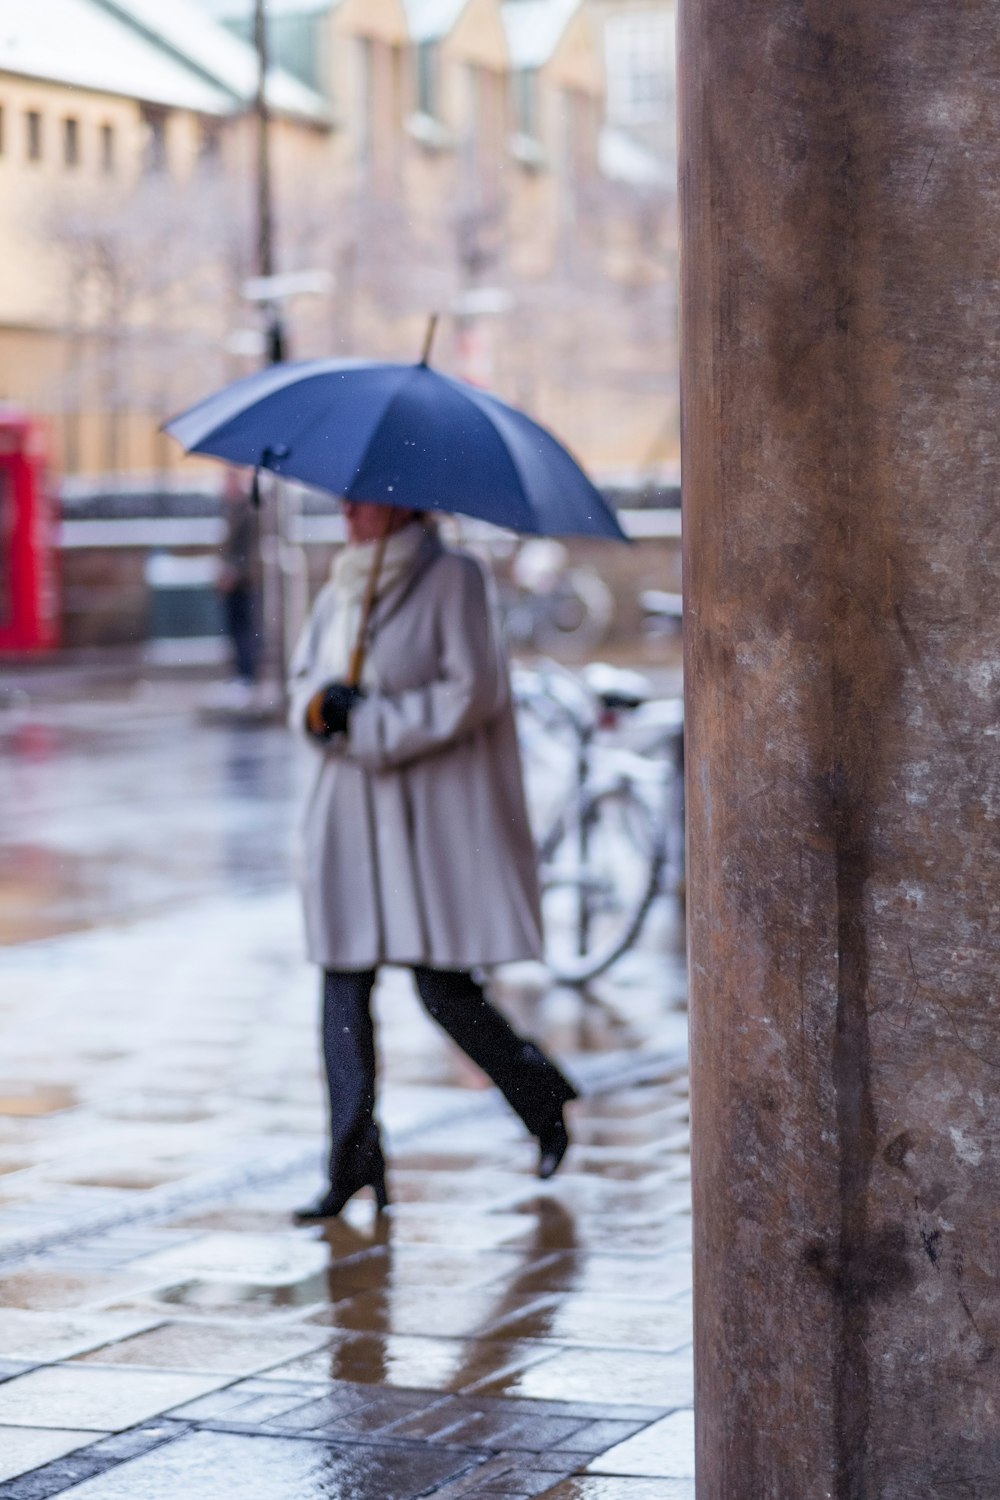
[165, 1331]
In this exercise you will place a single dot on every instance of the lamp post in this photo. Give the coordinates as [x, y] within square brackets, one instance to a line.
[273, 624]
[276, 350]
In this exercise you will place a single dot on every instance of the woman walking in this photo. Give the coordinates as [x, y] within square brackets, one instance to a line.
[417, 848]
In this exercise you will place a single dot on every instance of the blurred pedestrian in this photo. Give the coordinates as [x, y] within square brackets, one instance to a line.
[240, 581]
[417, 849]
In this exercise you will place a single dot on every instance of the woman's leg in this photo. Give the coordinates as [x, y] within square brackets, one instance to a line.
[349, 1053]
[531, 1084]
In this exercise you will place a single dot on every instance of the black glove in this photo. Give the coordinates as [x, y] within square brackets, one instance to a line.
[334, 705]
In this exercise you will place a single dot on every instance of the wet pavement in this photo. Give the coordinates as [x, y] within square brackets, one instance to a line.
[164, 1329]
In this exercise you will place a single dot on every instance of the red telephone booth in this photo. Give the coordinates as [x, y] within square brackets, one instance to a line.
[29, 604]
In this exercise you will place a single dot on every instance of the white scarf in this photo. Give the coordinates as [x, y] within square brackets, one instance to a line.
[349, 574]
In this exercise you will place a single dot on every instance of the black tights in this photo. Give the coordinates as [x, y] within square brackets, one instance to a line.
[531, 1084]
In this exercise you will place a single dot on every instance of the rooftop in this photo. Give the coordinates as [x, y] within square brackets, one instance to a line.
[535, 28]
[78, 42]
[171, 54]
[233, 10]
[429, 20]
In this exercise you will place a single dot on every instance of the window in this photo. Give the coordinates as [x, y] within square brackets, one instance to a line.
[427, 79]
[639, 67]
[33, 132]
[366, 100]
[210, 143]
[155, 154]
[71, 142]
[487, 100]
[526, 101]
[107, 149]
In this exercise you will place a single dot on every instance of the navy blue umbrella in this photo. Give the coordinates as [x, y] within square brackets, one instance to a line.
[401, 435]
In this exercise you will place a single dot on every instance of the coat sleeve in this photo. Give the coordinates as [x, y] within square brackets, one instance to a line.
[387, 730]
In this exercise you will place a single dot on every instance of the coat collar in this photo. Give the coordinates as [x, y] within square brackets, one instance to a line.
[431, 548]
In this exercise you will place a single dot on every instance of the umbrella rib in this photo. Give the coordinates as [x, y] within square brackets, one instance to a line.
[278, 378]
[411, 372]
[416, 371]
[320, 417]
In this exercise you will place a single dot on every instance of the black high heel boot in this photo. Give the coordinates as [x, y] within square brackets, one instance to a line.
[553, 1143]
[545, 1116]
[332, 1203]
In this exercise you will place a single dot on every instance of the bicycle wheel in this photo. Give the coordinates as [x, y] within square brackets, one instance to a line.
[577, 614]
[600, 871]
[550, 746]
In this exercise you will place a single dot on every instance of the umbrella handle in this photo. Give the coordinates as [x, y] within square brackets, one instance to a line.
[357, 662]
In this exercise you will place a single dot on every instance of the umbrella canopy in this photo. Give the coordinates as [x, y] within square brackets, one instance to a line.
[400, 435]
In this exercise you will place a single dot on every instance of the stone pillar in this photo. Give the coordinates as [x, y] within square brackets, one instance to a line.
[840, 191]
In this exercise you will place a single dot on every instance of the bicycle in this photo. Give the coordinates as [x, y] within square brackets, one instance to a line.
[547, 605]
[604, 770]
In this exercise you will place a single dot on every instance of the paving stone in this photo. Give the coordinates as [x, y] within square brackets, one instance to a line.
[25, 1448]
[665, 1449]
[595, 1320]
[122, 1445]
[595, 1437]
[243, 1301]
[259, 1411]
[53, 1291]
[274, 1260]
[421, 1266]
[436, 1312]
[518, 1487]
[354, 1409]
[200, 1347]
[55, 1478]
[65, 1473]
[534, 1434]
[267, 1468]
[591, 1487]
[480, 1472]
[221, 1403]
[584, 1411]
[78, 1397]
[414, 1362]
[484, 1232]
[611, 1376]
[40, 1338]
[660, 1277]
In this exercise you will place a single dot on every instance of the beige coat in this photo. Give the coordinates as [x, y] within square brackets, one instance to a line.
[416, 844]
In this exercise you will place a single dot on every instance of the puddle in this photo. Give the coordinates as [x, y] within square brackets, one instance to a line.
[234, 1296]
[131, 1181]
[53, 1291]
[413, 1362]
[32, 1099]
[158, 1111]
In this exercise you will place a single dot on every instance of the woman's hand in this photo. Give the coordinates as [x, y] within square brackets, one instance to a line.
[328, 710]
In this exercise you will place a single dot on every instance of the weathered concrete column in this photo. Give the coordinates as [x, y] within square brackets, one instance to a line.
[840, 187]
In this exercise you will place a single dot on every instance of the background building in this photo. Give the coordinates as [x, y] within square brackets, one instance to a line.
[450, 155]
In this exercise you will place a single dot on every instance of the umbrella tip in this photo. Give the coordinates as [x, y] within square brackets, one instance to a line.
[432, 324]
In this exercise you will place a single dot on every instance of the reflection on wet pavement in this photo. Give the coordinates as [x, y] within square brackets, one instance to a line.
[113, 810]
[161, 1321]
